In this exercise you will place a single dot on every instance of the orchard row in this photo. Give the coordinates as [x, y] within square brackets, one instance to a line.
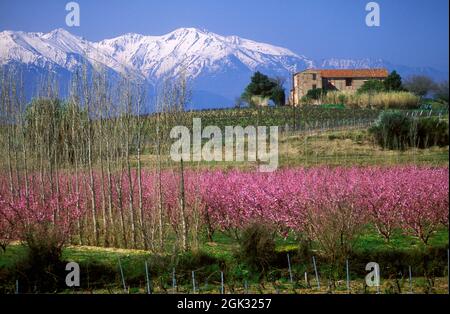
[143, 209]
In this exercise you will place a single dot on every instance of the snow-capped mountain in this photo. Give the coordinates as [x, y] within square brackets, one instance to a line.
[218, 66]
[196, 51]
[57, 48]
[152, 57]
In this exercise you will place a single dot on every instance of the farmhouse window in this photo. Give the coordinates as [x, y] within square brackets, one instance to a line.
[314, 86]
[314, 76]
[348, 82]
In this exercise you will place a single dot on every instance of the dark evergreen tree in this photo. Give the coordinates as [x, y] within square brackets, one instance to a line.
[393, 82]
[263, 86]
[278, 96]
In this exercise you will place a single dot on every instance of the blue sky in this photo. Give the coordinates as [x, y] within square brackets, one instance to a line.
[412, 32]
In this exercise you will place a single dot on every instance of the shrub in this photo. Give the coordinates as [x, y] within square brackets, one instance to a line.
[316, 93]
[98, 275]
[394, 262]
[372, 86]
[196, 259]
[42, 270]
[392, 130]
[430, 132]
[396, 131]
[257, 246]
[430, 261]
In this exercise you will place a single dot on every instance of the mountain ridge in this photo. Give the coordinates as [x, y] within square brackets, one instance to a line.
[218, 65]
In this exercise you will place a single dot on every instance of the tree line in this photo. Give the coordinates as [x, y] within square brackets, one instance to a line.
[96, 136]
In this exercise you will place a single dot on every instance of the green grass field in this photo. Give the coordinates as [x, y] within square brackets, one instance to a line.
[103, 266]
[346, 147]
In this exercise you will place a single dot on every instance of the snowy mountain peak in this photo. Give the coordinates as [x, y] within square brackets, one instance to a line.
[65, 41]
[198, 51]
[59, 32]
[188, 30]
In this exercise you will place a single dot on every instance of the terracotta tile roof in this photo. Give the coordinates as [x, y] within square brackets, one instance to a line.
[354, 73]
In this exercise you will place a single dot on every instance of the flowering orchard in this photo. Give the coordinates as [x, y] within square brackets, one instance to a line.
[326, 205]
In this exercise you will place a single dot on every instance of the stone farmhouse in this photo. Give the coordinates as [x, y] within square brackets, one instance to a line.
[330, 79]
